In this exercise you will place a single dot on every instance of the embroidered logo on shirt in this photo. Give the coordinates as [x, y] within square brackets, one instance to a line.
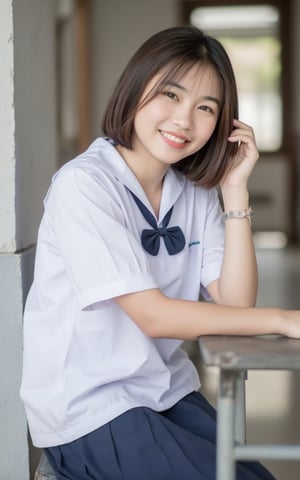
[191, 244]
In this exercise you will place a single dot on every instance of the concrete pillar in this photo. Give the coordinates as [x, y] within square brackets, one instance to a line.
[27, 160]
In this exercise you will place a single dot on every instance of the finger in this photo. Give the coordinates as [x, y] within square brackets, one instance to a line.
[242, 138]
[246, 146]
[237, 123]
[242, 128]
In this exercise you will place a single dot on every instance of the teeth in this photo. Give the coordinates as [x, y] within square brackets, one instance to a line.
[172, 137]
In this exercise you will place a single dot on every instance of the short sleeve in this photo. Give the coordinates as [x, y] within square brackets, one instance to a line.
[101, 256]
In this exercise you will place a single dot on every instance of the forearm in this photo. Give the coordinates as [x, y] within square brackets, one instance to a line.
[163, 317]
[238, 280]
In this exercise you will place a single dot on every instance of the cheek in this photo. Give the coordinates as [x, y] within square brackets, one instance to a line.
[206, 129]
[212, 128]
[148, 118]
[154, 109]
[143, 116]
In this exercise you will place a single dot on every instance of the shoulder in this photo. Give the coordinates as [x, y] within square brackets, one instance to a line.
[99, 157]
[91, 172]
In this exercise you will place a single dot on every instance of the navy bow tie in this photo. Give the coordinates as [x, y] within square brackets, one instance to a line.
[150, 238]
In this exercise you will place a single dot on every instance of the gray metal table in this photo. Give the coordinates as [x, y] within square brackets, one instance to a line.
[235, 355]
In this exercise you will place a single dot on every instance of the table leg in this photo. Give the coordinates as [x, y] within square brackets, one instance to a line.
[240, 407]
[226, 426]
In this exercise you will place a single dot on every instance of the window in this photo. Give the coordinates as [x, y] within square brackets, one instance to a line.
[250, 34]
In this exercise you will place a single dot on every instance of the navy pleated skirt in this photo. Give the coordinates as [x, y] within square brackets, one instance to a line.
[141, 444]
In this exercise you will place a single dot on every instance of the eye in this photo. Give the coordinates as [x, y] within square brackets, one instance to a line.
[206, 108]
[170, 95]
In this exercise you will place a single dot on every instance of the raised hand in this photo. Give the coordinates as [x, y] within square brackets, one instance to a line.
[245, 158]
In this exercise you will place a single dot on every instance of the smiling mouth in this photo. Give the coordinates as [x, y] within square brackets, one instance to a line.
[173, 138]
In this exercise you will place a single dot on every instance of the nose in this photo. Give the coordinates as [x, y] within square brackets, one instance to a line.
[183, 117]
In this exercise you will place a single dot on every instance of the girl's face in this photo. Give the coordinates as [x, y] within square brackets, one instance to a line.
[179, 121]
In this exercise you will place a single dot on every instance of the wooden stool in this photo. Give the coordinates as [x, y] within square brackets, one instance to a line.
[234, 356]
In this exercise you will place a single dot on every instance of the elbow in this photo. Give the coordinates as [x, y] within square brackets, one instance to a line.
[245, 304]
[250, 299]
[242, 301]
[154, 321]
[146, 309]
[252, 302]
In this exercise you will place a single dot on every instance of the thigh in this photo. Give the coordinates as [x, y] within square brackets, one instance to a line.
[175, 444]
[143, 444]
[195, 414]
[139, 444]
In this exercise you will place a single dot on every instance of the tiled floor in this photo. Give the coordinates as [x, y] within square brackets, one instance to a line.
[273, 398]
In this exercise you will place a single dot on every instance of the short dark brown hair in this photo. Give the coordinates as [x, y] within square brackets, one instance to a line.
[174, 51]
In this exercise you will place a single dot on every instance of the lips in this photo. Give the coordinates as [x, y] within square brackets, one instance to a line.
[174, 140]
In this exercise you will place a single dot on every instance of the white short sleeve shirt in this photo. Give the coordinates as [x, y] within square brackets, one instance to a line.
[85, 361]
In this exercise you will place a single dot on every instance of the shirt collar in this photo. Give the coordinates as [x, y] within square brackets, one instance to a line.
[113, 163]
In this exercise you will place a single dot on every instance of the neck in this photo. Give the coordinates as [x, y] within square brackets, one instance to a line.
[149, 174]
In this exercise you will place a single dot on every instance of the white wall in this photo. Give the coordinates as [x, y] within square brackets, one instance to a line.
[27, 160]
[7, 126]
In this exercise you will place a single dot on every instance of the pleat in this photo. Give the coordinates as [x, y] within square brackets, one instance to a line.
[186, 413]
[153, 450]
[91, 457]
[141, 444]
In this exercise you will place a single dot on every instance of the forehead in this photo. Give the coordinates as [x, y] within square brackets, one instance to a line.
[201, 77]
[192, 78]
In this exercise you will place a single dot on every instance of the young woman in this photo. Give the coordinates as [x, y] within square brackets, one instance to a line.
[132, 233]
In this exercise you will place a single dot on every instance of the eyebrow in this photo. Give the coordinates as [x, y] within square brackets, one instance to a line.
[181, 87]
